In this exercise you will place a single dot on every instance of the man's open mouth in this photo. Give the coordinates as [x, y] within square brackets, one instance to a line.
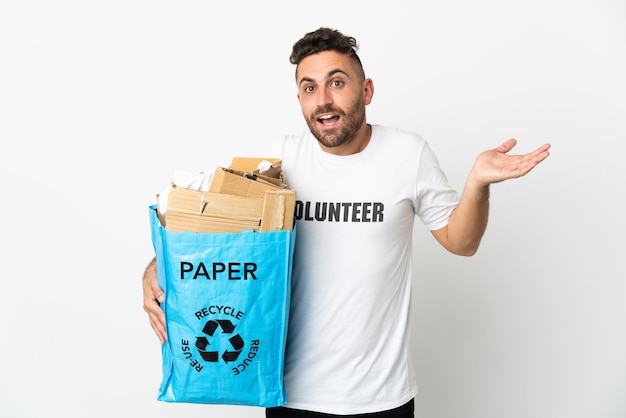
[328, 119]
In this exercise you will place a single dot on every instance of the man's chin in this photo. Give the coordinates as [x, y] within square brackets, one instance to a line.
[329, 141]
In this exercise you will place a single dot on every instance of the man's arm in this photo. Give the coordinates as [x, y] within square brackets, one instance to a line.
[468, 222]
[152, 299]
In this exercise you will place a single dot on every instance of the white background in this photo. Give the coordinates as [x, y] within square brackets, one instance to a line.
[100, 102]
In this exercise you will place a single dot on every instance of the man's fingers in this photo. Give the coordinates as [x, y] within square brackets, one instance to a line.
[159, 330]
[157, 318]
[507, 145]
[542, 152]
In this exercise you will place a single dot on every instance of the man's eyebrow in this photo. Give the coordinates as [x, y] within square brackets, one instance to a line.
[306, 80]
[328, 75]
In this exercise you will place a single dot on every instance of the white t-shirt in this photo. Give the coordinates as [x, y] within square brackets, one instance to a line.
[348, 341]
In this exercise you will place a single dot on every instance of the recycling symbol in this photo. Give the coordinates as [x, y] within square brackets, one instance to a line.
[202, 343]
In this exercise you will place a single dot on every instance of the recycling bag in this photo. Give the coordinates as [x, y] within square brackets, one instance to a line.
[226, 310]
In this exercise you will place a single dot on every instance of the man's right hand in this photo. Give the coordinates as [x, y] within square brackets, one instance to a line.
[153, 296]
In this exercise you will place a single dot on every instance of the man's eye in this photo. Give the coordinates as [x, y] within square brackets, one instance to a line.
[309, 89]
[337, 83]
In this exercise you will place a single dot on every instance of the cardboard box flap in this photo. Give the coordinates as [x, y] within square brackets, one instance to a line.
[278, 209]
[185, 223]
[207, 203]
[193, 210]
[250, 164]
[240, 183]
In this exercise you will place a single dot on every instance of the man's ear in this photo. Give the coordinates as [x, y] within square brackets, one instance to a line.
[368, 90]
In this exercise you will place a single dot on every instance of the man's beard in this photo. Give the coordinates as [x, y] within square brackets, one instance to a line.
[352, 122]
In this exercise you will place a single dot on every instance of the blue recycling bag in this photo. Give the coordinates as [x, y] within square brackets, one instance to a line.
[226, 310]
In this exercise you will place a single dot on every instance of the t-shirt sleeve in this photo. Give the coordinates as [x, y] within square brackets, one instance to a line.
[436, 199]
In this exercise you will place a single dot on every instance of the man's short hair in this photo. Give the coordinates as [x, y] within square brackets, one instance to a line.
[325, 39]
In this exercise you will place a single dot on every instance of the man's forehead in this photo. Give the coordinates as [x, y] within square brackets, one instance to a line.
[323, 65]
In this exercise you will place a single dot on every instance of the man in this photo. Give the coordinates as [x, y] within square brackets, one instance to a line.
[359, 187]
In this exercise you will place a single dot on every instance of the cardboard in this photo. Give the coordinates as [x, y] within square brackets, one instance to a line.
[193, 210]
[250, 164]
[243, 183]
[239, 199]
[278, 210]
[243, 178]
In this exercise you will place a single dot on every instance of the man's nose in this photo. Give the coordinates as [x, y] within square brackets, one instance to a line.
[324, 97]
